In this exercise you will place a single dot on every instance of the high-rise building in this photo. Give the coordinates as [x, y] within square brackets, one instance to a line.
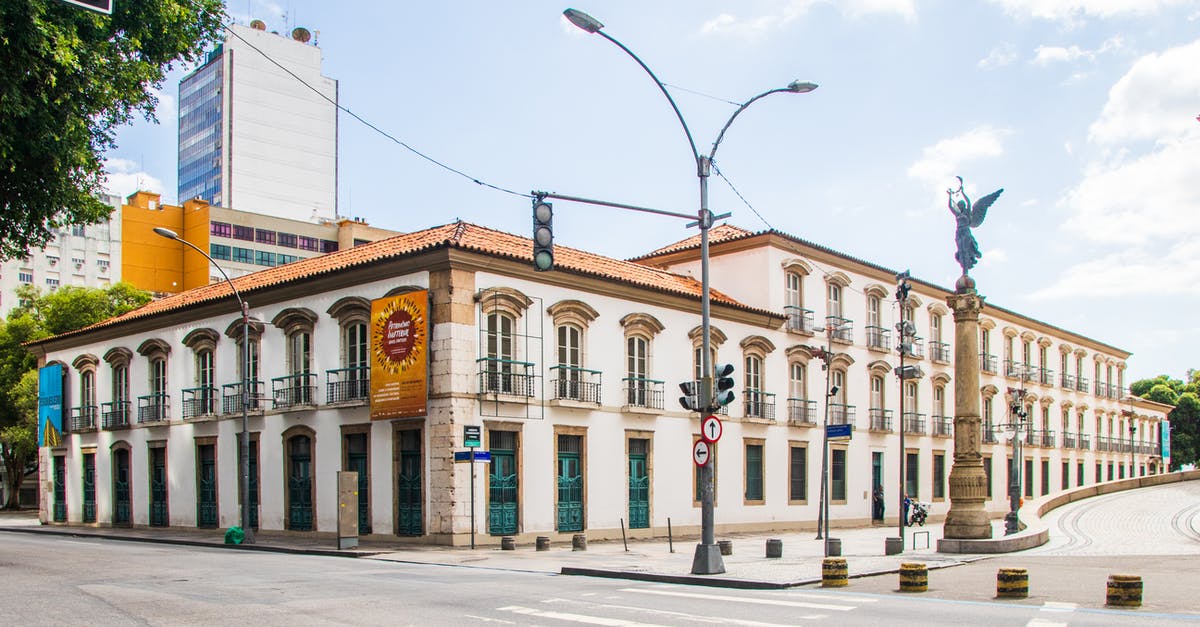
[253, 133]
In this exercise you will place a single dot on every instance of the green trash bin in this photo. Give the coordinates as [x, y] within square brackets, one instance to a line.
[235, 535]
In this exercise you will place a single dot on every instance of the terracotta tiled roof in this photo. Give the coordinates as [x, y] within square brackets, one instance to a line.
[461, 235]
[715, 234]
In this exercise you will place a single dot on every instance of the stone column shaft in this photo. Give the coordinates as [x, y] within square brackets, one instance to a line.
[968, 518]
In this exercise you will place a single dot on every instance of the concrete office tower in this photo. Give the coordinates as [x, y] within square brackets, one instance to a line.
[252, 136]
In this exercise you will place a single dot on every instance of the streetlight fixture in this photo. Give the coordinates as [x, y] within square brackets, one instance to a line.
[707, 560]
[245, 445]
[1013, 429]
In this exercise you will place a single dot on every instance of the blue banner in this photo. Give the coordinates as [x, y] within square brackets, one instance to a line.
[1165, 432]
[50, 410]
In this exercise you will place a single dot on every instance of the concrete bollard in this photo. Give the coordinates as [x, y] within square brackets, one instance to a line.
[834, 545]
[774, 547]
[1125, 590]
[914, 577]
[579, 542]
[726, 546]
[893, 546]
[1012, 583]
[834, 572]
[508, 543]
[543, 543]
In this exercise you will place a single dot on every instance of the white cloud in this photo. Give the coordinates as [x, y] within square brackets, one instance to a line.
[1045, 55]
[1071, 11]
[1000, 56]
[941, 162]
[166, 109]
[993, 257]
[124, 178]
[755, 27]
[1130, 273]
[1156, 99]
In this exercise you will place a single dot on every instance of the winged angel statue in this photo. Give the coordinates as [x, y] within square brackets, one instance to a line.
[968, 216]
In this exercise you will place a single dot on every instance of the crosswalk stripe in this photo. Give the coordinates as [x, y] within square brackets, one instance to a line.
[719, 597]
[1037, 622]
[694, 618]
[575, 618]
[1057, 606]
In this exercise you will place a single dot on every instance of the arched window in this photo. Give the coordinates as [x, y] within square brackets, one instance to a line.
[300, 384]
[247, 368]
[569, 377]
[753, 393]
[352, 381]
[154, 407]
[834, 300]
[298, 449]
[201, 399]
[115, 413]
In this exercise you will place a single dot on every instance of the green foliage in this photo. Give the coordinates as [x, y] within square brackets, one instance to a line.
[1162, 393]
[69, 77]
[1185, 418]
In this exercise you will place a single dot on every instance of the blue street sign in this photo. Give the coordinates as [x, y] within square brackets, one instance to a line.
[838, 432]
[483, 456]
[462, 456]
[466, 456]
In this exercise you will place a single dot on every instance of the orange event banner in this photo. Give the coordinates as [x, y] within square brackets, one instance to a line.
[400, 355]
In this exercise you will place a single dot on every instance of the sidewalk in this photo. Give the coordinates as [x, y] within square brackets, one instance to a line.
[652, 560]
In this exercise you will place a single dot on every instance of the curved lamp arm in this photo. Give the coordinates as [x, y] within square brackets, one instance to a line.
[795, 87]
[169, 234]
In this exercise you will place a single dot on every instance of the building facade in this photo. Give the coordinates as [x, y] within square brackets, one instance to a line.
[258, 127]
[571, 376]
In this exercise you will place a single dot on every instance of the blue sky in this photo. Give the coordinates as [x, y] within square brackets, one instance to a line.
[1083, 110]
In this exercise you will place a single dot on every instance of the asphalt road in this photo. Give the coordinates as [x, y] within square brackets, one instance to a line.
[59, 580]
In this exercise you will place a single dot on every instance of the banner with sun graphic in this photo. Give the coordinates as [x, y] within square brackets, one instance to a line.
[50, 381]
[399, 355]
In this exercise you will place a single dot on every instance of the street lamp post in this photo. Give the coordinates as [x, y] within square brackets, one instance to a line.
[1015, 426]
[245, 445]
[826, 356]
[707, 560]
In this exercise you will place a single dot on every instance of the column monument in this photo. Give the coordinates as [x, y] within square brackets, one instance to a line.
[967, 518]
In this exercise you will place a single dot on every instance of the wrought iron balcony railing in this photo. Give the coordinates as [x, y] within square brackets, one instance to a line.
[1102, 443]
[987, 363]
[841, 414]
[1013, 369]
[799, 319]
[84, 418]
[881, 419]
[294, 390]
[1067, 381]
[943, 426]
[989, 434]
[914, 423]
[575, 384]
[1081, 384]
[505, 377]
[200, 401]
[1046, 376]
[914, 348]
[645, 393]
[231, 397]
[841, 329]
[345, 385]
[1068, 440]
[115, 414]
[1083, 442]
[879, 337]
[939, 351]
[802, 411]
[154, 408]
[758, 404]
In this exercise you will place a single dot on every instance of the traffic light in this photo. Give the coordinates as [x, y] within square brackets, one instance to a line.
[691, 396]
[723, 389]
[543, 235]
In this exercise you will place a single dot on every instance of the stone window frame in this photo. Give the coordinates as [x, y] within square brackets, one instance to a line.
[157, 352]
[801, 270]
[878, 294]
[939, 381]
[755, 347]
[878, 371]
[937, 313]
[200, 341]
[504, 302]
[292, 322]
[762, 444]
[234, 332]
[86, 365]
[842, 281]
[349, 311]
[798, 355]
[641, 326]
[118, 360]
[576, 314]
[795, 444]
[716, 338]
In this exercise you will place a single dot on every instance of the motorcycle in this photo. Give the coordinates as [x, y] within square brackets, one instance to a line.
[918, 512]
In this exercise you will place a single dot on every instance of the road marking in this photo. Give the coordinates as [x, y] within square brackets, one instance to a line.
[1037, 622]
[1057, 606]
[575, 618]
[841, 596]
[489, 620]
[719, 597]
[695, 618]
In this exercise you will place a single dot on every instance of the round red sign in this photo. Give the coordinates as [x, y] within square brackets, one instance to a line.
[399, 335]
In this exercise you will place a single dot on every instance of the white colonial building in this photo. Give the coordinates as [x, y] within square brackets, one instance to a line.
[572, 375]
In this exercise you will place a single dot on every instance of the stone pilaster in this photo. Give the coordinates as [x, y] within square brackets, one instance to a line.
[967, 519]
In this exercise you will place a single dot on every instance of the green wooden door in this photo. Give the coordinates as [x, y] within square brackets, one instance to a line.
[158, 487]
[502, 483]
[639, 486]
[206, 486]
[89, 487]
[570, 483]
[356, 461]
[409, 499]
[60, 489]
[121, 506]
[300, 507]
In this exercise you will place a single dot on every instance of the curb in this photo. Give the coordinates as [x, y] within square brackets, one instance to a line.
[266, 548]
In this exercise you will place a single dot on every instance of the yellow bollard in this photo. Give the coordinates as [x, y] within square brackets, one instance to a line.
[1012, 583]
[1125, 590]
[833, 572]
[914, 577]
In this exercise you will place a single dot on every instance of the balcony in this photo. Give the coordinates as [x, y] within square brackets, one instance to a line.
[154, 408]
[115, 414]
[1046, 438]
[989, 434]
[568, 383]
[1013, 369]
[83, 418]
[1067, 381]
[758, 404]
[914, 348]
[643, 393]
[1068, 440]
[1031, 438]
[943, 427]
[841, 414]
[346, 385]
[1081, 384]
[840, 329]
[802, 411]
[231, 397]
[200, 401]
[1102, 444]
[295, 390]
[881, 419]
[1083, 442]
[1045, 376]
[505, 377]
[799, 320]
[914, 423]
[879, 338]
[939, 352]
[987, 363]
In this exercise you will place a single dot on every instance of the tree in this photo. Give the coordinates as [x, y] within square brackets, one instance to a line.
[40, 316]
[69, 77]
[1185, 417]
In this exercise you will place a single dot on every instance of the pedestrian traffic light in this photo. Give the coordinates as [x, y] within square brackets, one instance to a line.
[723, 389]
[691, 396]
[543, 235]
